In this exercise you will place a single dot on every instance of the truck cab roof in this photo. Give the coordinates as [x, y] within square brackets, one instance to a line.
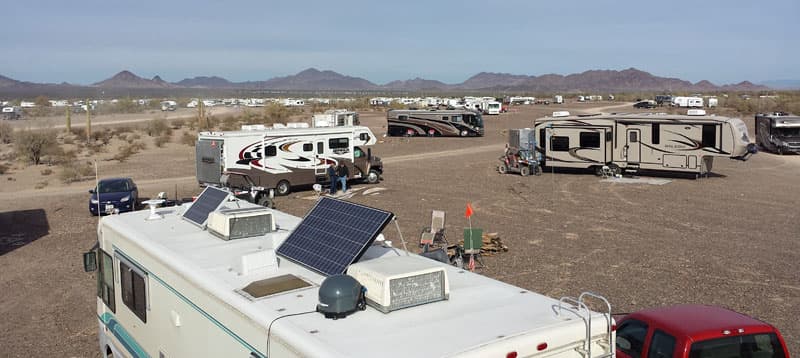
[699, 322]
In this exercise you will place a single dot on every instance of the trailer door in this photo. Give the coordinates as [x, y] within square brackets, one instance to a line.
[633, 147]
[208, 158]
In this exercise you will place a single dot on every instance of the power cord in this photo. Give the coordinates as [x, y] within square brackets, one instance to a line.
[269, 328]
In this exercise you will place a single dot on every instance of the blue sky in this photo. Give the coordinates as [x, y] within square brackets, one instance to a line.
[88, 41]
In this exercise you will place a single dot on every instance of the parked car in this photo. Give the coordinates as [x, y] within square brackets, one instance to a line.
[113, 194]
[645, 104]
[696, 331]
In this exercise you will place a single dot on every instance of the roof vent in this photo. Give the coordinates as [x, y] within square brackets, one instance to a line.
[696, 112]
[560, 114]
[231, 224]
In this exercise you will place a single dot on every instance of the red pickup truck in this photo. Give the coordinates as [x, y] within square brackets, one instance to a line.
[696, 331]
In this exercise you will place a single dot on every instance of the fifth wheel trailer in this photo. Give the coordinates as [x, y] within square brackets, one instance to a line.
[169, 287]
[282, 158]
[630, 142]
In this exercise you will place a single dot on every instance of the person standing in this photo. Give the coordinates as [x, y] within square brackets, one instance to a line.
[342, 173]
[332, 176]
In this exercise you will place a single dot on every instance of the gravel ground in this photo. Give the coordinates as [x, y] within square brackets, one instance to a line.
[730, 239]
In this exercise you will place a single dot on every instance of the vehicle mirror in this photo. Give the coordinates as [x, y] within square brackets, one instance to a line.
[91, 191]
[623, 343]
[90, 261]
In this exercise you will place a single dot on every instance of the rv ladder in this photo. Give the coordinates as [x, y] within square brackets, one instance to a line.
[579, 308]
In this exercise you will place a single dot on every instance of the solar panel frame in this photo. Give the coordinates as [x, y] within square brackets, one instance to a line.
[333, 235]
[209, 201]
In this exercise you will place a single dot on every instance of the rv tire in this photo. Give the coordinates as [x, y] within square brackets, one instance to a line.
[598, 170]
[373, 177]
[524, 171]
[464, 133]
[283, 188]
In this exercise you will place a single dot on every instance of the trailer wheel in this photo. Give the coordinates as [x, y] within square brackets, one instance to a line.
[502, 169]
[265, 201]
[283, 188]
[373, 177]
[524, 171]
[616, 170]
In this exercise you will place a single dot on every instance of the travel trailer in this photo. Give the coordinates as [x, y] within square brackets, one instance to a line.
[630, 142]
[695, 102]
[558, 99]
[169, 105]
[226, 278]
[434, 123]
[282, 158]
[335, 118]
[778, 132]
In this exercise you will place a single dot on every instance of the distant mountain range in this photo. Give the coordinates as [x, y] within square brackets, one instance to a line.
[628, 80]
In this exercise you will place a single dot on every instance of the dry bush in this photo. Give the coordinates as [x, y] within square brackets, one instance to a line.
[79, 133]
[229, 123]
[157, 127]
[121, 131]
[103, 136]
[161, 140]
[276, 112]
[47, 171]
[33, 145]
[41, 184]
[127, 150]
[3, 168]
[6, 133]
[68, 139]
[75, 171]
[189, 139]
[178, 123]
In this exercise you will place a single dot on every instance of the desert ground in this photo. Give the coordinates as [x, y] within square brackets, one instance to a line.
[730, 239]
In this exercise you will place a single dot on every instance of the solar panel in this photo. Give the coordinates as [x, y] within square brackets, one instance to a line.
[209, 200]
[334, 234]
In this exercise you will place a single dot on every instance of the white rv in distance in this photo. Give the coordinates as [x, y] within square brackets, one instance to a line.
[335, 118]
[170, 288]
[491, 107]
[630, 142]
[282, 158]
[558, 99]
[690, 102]
[169, 105]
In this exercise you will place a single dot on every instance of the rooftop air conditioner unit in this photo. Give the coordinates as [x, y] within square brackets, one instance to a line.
[696, 112]
[398, 282]
[231, 224]
[560, 114]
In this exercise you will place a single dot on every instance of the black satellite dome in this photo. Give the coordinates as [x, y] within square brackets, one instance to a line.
[341, 295]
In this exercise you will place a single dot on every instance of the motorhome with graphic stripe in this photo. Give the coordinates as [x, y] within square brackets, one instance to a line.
[283, 158]
[620, 143]
[434, 122]
[216, 279]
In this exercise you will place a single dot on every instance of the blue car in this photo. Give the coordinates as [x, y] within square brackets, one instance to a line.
[118, 194]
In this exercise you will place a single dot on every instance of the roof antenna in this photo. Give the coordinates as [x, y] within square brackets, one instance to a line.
[153, 204]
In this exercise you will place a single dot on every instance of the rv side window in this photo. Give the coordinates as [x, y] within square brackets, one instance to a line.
[590, 140]
[105, 280]
[402, 118]
[445, 118]
[559, 144]
[134, 290]
[338, 143]
[307, 147]
[709, 135]
[656, 134]
[363, 137]
[270, 151]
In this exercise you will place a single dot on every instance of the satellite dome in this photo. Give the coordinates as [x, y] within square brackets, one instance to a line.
[341, 295]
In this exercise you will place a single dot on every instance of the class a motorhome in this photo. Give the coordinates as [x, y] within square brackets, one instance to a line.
[335, 118]
[282, 158]
[778, 132]
[436, 123]
[630, 142]
[168, 287]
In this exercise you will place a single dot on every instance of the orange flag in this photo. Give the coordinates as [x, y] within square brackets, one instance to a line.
[468, 213]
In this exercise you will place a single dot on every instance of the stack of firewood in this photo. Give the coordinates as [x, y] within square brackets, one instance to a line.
[491, 245]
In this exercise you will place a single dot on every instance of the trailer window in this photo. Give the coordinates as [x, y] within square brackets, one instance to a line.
[656, 133]
[590, 140]
[270, 151]
[339, 145]
[307, 147]
[105, 280]
[559, 144]
[661, 346]
[134, 290]
[709, 135]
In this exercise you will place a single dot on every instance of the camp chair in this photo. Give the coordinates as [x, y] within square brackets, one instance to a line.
[434, 234]
[473, 241]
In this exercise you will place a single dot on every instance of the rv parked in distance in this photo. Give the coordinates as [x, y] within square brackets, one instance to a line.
[335, 118]
[693, 102]
[630, 142]
[778, 132]
[463, 123]
[282, 158]
[169, 105]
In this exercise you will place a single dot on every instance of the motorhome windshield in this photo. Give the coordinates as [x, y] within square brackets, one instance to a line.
[474, 120]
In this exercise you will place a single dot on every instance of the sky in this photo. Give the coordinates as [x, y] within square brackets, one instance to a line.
[88, 41]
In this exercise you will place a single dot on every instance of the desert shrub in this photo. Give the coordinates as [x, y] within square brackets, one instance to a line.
[103, 136]
[47, 171]
[63, 157]
[276, 112]
[75, 171]
[41, 184]
[32, 145]
[161, 140]
[126, 151]
[189, 138]
[178, 123]
[79, 133]
[68, 139]
[121, 131]
[229, 123]
[6, 133]
[157, 127]
[3, 168]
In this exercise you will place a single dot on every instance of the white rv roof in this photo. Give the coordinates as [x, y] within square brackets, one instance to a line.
[283, 131]
[479, 311]
[635, 117]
